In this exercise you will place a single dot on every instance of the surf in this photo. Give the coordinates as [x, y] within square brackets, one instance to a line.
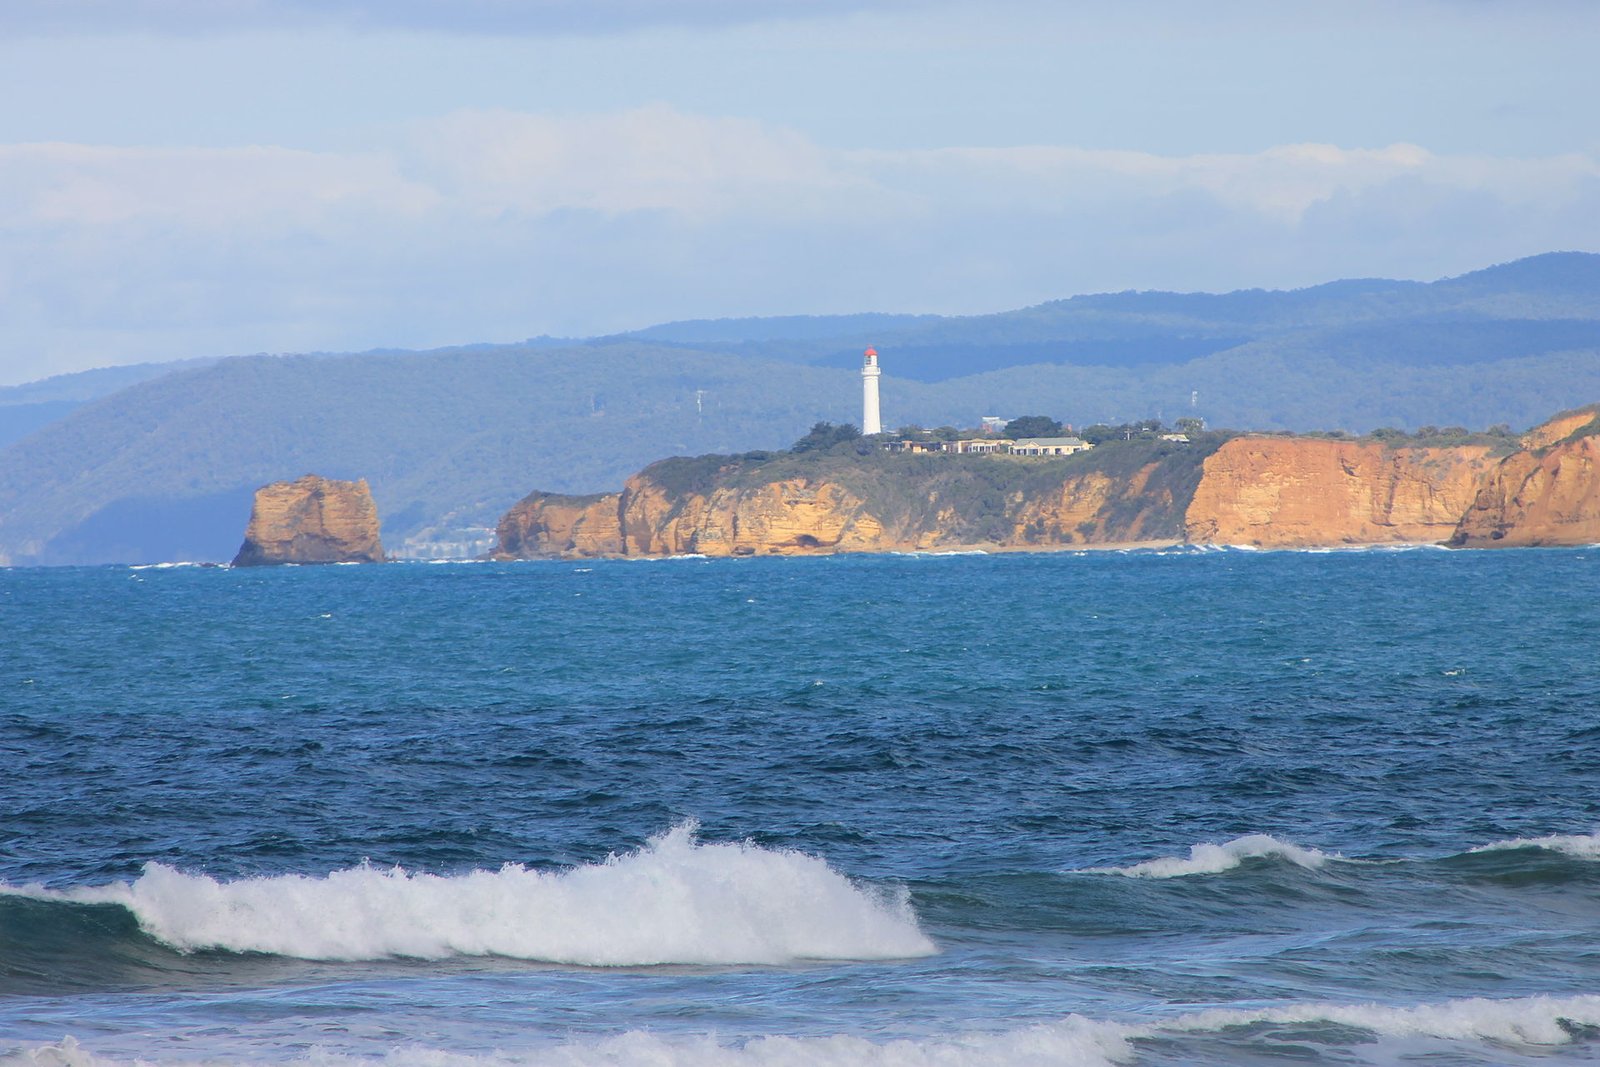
[673, 901]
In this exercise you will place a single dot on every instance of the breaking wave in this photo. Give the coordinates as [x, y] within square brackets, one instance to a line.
[1211, 858]
[673, 901]
[1579, 846]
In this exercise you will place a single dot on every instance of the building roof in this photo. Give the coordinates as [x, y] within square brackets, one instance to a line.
[1048, 442]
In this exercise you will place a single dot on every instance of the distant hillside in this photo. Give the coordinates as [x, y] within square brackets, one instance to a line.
[1139, 329]
[165, 468]
[162, 468]
[28, 407]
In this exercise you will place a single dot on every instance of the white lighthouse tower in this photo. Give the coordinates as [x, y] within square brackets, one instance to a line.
[871, 422]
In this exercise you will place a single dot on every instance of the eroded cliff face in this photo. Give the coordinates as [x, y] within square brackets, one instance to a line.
[549, 525]
[1562, 426]
[312, 520]
[1096, 508]
[795, 515]
[1547, 497]
[1268, 492]
[801, 515]
[1277, 492]
[786, 517]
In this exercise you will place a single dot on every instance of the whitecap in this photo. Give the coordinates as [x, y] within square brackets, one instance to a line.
[1210, 858]
[1518, 1021]
[673, 901]
[1581, 846]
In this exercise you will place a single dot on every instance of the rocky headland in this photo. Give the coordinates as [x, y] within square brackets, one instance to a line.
[1266, 491]
[859, 501]
[312, 520]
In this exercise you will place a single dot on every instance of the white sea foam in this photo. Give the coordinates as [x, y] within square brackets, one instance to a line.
[1521, 1021]
[673, 901]
[1072, 1042]
[1581, 846]
[942, 554]
[1533, 1023]
[1211, 858]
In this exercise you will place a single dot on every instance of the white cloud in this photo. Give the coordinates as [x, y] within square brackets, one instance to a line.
[70, 185]
[498, 225]
[651, 158]
[1280, 183]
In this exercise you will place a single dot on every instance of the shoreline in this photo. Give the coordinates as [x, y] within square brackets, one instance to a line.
[993, 549]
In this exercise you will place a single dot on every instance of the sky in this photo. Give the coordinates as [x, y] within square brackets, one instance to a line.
[183, 178]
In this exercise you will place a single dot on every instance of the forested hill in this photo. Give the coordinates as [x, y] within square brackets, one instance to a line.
[163, 468]
[1542, 304]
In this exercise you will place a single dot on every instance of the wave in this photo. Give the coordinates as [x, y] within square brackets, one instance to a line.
[1535, 1024]
[1211, 858]
[1518, 859]
[673, 901]
[1522, 1021]
[1579, 846]
[923, 553]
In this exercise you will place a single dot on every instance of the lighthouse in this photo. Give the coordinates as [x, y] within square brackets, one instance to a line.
[871, 422]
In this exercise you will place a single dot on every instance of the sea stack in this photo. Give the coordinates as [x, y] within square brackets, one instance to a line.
[312, 520]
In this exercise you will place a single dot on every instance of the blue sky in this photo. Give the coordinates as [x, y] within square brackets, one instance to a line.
[201, 177]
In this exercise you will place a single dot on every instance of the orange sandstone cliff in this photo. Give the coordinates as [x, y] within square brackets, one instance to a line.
[1548, 495]
[874, 503]
[793, 516]
[312, 520]
[1281, 492]
[1261, 491]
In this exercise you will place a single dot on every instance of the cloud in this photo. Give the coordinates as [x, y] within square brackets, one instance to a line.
[650, 158]
[449, 16]
[494, 225]
[88, 186]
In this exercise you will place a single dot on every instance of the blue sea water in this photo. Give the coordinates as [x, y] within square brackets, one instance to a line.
[1150, 808]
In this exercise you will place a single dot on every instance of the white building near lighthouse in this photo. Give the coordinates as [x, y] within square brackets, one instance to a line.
[871, 419]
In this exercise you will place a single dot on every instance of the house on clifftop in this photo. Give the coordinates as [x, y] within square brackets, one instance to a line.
[1049, 446]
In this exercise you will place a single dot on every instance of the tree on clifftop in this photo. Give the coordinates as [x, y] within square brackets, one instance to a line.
[825, 435]
[1032, 426]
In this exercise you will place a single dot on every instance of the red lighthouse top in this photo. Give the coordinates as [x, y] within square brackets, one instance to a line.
[872, 355]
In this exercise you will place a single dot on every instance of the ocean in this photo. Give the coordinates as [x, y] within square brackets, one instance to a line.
[1150, 807]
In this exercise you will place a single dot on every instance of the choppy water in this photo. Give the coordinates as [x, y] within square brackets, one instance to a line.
[1148, 808]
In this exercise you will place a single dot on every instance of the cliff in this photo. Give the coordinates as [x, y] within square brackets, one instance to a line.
[1256, 490]
[1278, 492]
[312, 520]
[1549, 495]
[846, 501]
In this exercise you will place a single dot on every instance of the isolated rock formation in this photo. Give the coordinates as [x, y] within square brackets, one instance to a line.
[312, 520]
[1281, 492]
